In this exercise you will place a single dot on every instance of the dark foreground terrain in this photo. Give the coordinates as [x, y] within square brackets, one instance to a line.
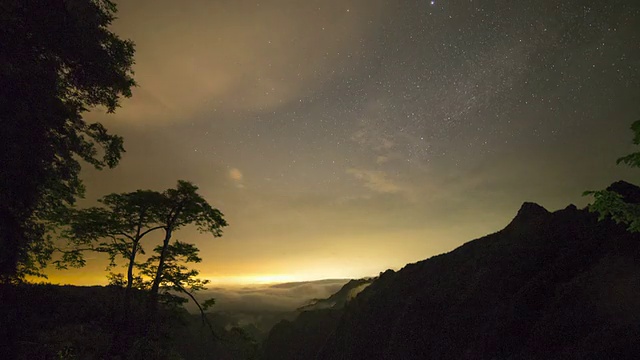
[559, 285]
[74, 322]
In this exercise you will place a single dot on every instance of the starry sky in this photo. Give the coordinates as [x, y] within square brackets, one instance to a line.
[341, 138]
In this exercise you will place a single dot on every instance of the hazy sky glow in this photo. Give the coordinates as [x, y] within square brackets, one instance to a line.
[342, 138]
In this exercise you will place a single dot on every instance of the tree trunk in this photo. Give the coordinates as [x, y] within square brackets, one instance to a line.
[132, 262]
[123, 330]
[155, 287]
[127, 290]
[205, 319]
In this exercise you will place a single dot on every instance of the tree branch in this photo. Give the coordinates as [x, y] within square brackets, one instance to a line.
[126, 235]
[150, 230]
[205, 320]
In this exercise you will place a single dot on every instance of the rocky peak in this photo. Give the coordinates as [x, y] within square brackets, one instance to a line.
[530, 210]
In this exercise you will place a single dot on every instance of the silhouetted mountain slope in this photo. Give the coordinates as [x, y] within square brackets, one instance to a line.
[303, 337]
[549, 285]
[340, 298]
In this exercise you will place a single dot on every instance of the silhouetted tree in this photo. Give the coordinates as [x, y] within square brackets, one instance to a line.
[183, 206]
[127, 218]
[58, 60]
[609, 203]
[117, 228]
[176, 277]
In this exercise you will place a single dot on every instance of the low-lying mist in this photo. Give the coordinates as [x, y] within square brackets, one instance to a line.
[268, 297]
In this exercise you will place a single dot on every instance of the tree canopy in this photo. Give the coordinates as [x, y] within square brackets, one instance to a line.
[183, 206]
[59, 59]
[118, 226]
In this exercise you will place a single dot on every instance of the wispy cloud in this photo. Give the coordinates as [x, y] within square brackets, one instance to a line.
[375, 180]
[381, 159]
[378, 142]
[234, 56]
[235, 174]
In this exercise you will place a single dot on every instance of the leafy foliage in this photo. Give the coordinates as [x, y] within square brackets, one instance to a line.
[176, 277]
[117, 228]
[609, 203]
[183, 206]
[59, 59]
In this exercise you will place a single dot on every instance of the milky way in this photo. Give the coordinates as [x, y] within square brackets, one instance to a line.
[344, 137]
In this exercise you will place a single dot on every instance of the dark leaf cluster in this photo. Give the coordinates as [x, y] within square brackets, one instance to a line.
[58, 59]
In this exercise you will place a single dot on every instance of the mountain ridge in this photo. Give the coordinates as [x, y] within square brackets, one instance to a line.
[549, 285]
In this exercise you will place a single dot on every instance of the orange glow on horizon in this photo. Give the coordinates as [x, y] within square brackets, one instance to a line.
[79, 278]
[255, 279]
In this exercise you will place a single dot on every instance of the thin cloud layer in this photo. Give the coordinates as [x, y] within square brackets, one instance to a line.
[375, 180]
[236, 56]
[340, 138]
[280, 297]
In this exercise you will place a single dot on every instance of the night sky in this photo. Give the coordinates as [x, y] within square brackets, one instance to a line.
[342, 138]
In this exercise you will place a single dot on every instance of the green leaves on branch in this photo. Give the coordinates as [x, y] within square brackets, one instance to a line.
[209, 303]
[611, 204]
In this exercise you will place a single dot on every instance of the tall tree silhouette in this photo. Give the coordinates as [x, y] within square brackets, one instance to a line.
[177, 277]
[183, 206]
[117, 228]
[58, 59]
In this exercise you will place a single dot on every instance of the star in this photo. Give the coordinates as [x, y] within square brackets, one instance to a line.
[383, 105]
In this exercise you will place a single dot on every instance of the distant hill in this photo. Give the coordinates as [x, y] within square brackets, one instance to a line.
[558, 285]
[340, 299]
[323, 282]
